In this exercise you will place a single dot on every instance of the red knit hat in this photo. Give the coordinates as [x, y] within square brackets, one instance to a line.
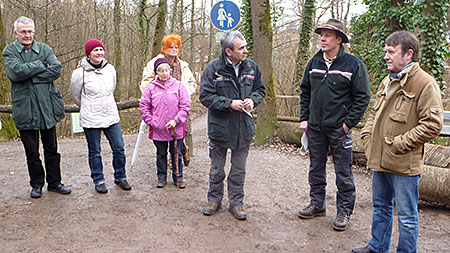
[160, 61]
[91, 44]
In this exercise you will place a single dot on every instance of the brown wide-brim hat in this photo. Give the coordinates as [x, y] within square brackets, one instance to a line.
[334, 25]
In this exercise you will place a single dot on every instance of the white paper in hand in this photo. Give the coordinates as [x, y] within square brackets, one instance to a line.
[304, 142]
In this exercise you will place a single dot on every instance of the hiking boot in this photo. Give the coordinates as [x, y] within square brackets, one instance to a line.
[59, 188]
[123, 184]
[186, 157]
[36, 192]
[212, 208]
[311, 211]
[101, 188]
[161, 183]
[362, 250]
[238, 212]
[341, 222]
[180, 185]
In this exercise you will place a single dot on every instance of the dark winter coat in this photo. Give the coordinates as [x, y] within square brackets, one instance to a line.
[219, 86]
[331, 97]
[36, 103]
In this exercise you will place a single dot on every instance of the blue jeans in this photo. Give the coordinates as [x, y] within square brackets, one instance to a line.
[114, 135]
[385, 186]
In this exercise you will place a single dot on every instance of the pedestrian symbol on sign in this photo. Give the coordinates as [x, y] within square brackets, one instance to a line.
[225, 15]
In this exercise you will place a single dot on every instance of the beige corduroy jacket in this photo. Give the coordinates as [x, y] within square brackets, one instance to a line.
[401, 121]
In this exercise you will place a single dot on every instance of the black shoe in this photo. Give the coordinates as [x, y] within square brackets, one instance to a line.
[180, 184]
[311, 211]
[101, 188]
[212, 208]
[59, 188]
[161, 184]
[36, 192]
[123, 184]
[341, 222]
[238, 212]
[362, 250]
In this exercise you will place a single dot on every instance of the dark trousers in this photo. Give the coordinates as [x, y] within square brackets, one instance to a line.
[341, 150]
[161, 159]
[236, 177]
[52, 159]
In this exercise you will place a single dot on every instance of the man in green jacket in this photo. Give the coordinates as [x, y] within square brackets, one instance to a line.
[36, 104]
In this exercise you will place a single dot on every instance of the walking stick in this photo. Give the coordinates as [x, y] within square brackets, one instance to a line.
[175, 150]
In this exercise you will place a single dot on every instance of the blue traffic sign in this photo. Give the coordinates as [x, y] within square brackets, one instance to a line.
[225, 15]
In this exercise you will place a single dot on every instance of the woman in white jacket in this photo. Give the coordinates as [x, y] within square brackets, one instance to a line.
[171, 48]
[92, 89]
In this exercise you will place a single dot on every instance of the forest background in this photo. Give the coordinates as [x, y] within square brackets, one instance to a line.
[279, 33]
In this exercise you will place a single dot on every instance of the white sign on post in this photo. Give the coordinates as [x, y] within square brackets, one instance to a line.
[75, 123]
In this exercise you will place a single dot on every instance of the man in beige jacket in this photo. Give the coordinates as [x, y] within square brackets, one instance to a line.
[407, 113]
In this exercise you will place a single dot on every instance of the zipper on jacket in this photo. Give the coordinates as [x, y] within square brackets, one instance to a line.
[321, 101]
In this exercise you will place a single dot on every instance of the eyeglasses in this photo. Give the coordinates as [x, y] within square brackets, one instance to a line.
[25, 32]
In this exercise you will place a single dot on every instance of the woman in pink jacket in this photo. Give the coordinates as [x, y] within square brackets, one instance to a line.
[165, 105]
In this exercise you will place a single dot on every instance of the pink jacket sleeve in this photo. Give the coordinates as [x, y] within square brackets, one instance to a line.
[184, 105]
[145, 107]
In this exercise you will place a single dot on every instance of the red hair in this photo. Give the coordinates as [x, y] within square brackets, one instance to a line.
[168, 40]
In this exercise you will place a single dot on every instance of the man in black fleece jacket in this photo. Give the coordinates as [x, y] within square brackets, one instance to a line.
[335, 94]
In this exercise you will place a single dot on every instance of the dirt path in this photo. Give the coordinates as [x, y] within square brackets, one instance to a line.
[148, 219]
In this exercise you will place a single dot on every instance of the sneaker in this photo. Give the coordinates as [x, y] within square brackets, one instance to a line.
[101, 188]
[123, 184]
[36, 192]
[180, 185]
[212, 208]
[186, 157]
[341, 222]
[362, 250]
[161, 183]
[311, 211]
[238, 212]
[59, 188]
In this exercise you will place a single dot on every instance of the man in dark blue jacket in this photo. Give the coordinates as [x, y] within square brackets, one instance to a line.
[335, 94]
[231, 87]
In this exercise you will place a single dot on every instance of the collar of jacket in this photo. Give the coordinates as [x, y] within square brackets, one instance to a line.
[83, 63]
[166, 84]
[228, 66]
[408, 72]
[21, 47]
[319, 55]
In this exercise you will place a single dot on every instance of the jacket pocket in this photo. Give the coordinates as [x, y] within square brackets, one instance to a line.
[21, 111]
[402, 106]
[394, 159]
[58, 104]
[218, 129]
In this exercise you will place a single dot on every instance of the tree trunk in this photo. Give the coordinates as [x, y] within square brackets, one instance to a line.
[262, 49]
[117, 49]
[191, 39]
[180, 19]
[303, 51]
[173, 18]
[143, 29]
[8, 128]
[394, 23]
[159, 28]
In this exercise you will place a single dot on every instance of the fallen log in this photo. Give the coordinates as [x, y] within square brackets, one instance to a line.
[73, 108]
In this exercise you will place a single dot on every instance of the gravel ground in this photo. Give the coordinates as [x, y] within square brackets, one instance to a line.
[148, 219]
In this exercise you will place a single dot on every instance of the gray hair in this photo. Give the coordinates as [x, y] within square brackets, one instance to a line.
[23, 20]
[227, 40]
[161, 65]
